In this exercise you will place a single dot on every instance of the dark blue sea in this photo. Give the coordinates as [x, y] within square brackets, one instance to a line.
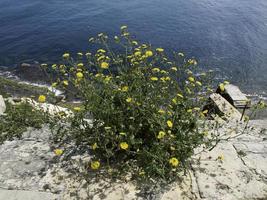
[228, 36]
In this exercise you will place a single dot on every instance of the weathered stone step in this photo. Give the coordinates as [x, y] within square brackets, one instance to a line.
[25, 195]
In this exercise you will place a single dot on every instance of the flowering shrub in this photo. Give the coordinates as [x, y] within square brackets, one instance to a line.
[145, 106]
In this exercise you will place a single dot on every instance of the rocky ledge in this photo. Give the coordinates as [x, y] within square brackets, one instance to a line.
[234, 169]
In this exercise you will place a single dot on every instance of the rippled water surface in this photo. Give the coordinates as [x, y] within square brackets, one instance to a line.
[226, 35]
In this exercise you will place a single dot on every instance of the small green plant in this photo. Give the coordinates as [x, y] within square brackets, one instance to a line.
[18, 118]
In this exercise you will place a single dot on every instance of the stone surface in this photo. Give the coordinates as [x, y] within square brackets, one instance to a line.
[234, 170]
[23, 163]
[222, 107]
[234, 95]
[25, 195]
[2, 105]
[49, 108]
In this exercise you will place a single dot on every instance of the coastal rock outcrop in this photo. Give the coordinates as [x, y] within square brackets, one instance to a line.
[234, 170]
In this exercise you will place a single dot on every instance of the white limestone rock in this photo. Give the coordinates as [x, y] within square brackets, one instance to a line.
[2, 105]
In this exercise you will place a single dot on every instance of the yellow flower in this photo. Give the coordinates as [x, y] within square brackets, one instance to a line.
[77, 109]
[94, 146]
[44, 65]
[226, 82]
[104, 65]
[172, 148]
[42, 98]
[161, 135]
[205, 111]
[129, 100]
[167, 78]
[188, 90]
[163, 72]
[66, 55]
[149, 53]
[161, 111]
[174, 162]
[137, 53]
[54, 66]
[58, 152]
[162, 79]
[192, 61]
[79, 75]
[142, 173]
[124, 145]
[221, 86]
[199, 83]
[134, 42]
[66, 83]
[159, 50]
[156, 69]
[144, 46]
[181, 54]
[174, 100]
[54, 84]
[101, 51]
[101, 58]
[180, 95]
[122, 133]
[191, 79]
[123, 27]
[169, 123]
[80, 65]
[174, 68]
[189, 110]
[88, 54]
[98, 75]
[154, 78]
[80, 54]
[220, 157]
[95, 165]
[125, 88]
[196, 108]
[107, 79]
